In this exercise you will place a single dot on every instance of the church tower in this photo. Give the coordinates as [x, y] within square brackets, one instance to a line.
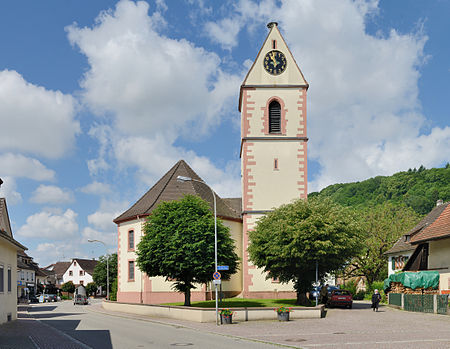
[272, 103]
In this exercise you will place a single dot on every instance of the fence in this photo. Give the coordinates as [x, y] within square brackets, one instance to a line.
[425, 303]
[395, 299]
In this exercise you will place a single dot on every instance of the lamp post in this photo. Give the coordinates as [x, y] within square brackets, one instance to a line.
[107, 267]
[189, 179]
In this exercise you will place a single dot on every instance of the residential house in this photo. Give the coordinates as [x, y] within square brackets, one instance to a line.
[80, 271]
[56, 272]
[26, 276]
[8, 266]
[430, 243]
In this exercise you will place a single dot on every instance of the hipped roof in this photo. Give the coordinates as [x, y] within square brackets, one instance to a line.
[169, 189]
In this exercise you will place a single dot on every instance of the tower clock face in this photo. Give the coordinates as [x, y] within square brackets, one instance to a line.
[275, 62]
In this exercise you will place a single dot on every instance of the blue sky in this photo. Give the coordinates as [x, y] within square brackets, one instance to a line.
[98, 99]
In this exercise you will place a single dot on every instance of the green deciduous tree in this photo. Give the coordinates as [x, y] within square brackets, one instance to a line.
[288, 242]
[68, 287]
[178, 243]
[91, 288]
[382, 227]
[99, 275]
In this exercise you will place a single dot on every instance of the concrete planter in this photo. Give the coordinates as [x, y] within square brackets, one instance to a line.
[283, 316]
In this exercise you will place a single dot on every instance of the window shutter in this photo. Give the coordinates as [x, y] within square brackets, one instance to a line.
[274, 117]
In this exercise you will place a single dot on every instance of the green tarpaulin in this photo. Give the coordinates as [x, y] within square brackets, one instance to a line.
[412, 280]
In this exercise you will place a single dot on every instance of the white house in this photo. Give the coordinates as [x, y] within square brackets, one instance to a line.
[8, 266]
[80, 271]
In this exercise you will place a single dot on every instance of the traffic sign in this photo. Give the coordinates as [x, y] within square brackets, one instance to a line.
[216, 276]
[223, 267]
[217, 282]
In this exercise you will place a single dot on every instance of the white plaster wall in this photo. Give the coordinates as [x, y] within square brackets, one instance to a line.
[275, 187]
[439, 258]
[159, 284]
[235, 282]
[8, 300]
[292, 98]
[125, 256]
[392, 271]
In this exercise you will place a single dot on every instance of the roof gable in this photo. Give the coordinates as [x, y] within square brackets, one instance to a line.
[257, 74]
[169, 189]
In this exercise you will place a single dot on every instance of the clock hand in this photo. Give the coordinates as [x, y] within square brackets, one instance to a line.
[275, 62]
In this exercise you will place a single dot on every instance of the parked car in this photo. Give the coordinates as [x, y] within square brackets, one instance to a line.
[80, 299]
[316, 290]
[33, 299]
[340, 298]
[50, 297]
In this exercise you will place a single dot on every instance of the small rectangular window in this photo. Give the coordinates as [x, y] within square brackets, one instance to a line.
[274, 44]
[275, 164]
[130, 270]
[70, 273]
[81, 273]
[131, 240]
[9, 280]
[2, 287]
[81, 282]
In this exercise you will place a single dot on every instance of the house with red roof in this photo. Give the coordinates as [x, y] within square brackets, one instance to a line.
[428, 245]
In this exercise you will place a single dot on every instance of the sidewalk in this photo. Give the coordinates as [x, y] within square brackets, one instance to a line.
[29, 333]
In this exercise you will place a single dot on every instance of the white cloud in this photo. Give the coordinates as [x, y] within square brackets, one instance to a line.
[103, 220]
[154, 88]
[8, 191]
[51, 194]
[109, 238]
[96, 188]
[51, 225]
[149, 83]
[224, 32]
[47, 253]
[16, 165]
[34, 119]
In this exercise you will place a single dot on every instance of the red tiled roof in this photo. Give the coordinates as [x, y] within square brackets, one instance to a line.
[438, 228]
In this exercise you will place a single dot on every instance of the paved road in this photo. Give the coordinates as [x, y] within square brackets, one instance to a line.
[82, 327]
[68, 326]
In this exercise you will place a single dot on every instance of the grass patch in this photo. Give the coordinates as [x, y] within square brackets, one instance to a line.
[242, 303]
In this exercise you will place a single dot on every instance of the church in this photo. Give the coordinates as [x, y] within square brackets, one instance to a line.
[273, 153]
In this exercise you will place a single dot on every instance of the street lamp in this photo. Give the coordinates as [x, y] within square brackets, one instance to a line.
[107, 267]
[189, 179]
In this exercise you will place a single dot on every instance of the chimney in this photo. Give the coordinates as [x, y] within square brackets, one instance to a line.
[272, 24]
[439, 202]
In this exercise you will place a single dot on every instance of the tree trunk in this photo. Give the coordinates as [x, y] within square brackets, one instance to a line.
[302, 299]
[187, 297]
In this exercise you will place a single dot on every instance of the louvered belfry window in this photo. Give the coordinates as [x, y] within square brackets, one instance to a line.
[274, 117]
